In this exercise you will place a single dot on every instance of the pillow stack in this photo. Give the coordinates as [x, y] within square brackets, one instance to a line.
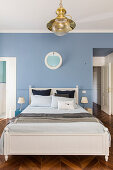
[61, 100]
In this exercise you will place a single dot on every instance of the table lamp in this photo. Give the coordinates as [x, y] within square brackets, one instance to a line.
[84, 100]
[21, 101]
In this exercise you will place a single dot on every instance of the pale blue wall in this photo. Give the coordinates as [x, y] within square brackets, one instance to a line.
[76, 50]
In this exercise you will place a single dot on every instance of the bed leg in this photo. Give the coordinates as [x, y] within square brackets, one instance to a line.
[6, 157]
[106, 158]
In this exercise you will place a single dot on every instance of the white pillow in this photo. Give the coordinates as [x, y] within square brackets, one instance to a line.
[40, 101]
[66, 105]
[55, 100]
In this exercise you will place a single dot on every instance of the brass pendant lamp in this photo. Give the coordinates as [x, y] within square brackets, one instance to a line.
[61, 25]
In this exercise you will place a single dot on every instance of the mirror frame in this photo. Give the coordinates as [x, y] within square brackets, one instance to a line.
[51, 54]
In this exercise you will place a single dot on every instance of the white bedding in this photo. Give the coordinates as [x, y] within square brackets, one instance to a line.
[56, 128]
[51, 110]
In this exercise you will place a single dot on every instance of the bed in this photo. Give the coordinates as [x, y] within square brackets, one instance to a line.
[62, 136]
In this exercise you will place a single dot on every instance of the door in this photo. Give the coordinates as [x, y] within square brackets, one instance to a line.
[112, 88]
[10, 85]
[106, 88]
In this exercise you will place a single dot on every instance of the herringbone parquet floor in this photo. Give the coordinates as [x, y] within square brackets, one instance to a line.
[61, 162]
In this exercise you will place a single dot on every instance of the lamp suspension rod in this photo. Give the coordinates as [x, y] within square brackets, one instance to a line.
[61, 4]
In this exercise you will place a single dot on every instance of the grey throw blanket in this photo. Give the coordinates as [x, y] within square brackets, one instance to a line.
[54, 118]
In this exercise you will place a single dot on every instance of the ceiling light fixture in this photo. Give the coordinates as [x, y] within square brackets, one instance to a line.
[61, 25]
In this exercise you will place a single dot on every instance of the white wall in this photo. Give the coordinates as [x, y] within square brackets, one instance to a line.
[98, 61]
[109, 59]
[97, 85]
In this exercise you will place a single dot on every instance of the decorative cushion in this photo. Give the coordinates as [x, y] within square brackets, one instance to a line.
[66, 105]
[41, 92]
[62, 95]
[55, 100]
[71, 93]
[41, 101]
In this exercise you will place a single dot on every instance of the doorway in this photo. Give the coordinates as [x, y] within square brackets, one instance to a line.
[2, 89]
[97, 86]
[103, 79]
[8, 95]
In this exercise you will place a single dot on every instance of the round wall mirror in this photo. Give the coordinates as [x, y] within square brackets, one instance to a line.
[53, 60]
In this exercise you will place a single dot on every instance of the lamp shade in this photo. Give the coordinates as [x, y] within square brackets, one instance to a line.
[21, 100]
[84, 100]
[61, 24]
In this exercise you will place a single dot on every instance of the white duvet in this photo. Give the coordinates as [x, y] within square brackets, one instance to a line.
[56, 128]
[51, 110]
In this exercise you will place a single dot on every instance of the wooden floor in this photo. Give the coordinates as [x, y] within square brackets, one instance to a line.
[62, 162]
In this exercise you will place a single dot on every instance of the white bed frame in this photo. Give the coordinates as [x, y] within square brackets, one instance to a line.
[56, 144]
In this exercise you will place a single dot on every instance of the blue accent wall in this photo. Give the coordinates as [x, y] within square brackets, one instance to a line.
[77, 53]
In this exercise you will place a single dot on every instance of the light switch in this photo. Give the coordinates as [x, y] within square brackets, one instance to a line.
[84, 91]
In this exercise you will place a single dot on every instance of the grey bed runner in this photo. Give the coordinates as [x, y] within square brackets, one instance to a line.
[54, 118]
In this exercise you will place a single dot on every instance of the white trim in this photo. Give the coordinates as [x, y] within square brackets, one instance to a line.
[109, 90]
[47, 31]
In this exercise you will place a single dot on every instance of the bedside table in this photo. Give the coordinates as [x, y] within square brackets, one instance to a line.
[17, 112]
[89, 110]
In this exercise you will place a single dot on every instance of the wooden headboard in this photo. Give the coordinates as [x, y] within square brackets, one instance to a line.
[53, 91]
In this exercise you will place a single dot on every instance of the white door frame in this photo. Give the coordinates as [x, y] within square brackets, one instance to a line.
[109, 89]
[106, 90]
[101, 62]
[10, 85]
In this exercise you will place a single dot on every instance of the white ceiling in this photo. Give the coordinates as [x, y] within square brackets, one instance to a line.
[32, 15]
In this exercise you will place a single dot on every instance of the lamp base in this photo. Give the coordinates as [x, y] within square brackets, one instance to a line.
[20, 107]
